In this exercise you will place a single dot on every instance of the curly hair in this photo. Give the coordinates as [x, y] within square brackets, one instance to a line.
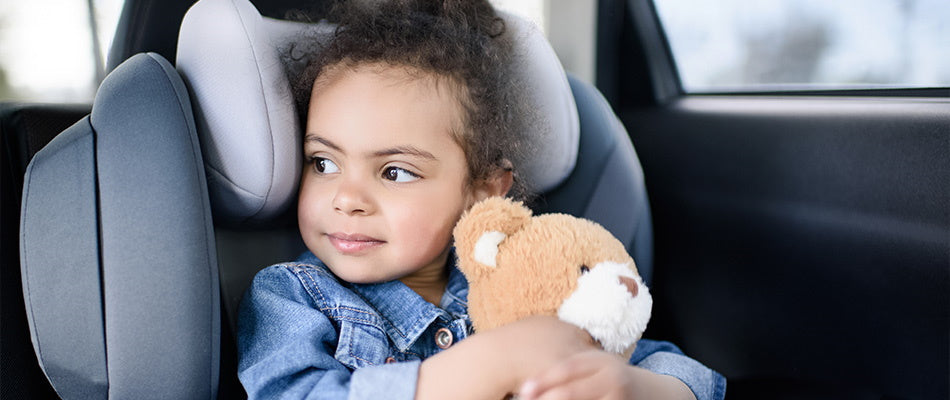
[458, 41]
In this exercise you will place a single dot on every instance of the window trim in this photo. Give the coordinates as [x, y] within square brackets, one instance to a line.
[663, 71]
[936, 92]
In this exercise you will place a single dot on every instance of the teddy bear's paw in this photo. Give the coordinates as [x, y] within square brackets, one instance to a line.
[612, 304]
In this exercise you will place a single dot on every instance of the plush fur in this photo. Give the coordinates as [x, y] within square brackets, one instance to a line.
[520, 265]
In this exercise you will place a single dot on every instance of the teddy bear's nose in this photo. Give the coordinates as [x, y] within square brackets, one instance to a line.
[631, 285]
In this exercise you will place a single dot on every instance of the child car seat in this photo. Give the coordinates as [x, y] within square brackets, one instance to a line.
[117, 254]
[120, 268]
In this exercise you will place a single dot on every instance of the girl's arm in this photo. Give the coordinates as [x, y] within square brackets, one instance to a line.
[597, 374]
[491, 364]
[655, 370]
[286, 348]
[544, 358]
[283, 342]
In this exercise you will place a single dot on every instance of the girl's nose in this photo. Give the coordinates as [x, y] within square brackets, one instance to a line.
[351, 199]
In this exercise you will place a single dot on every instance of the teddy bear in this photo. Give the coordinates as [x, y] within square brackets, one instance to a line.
[519, 265]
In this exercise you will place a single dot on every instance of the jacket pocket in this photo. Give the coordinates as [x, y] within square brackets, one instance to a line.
[361, 344]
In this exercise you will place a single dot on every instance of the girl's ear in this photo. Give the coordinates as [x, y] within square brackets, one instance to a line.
[498, 184]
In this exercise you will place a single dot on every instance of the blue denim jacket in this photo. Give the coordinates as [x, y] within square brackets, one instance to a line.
[305, 334]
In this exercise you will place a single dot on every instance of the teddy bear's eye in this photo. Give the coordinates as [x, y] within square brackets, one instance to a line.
[584, 269]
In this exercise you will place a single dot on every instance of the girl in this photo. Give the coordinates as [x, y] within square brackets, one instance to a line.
[410, 122]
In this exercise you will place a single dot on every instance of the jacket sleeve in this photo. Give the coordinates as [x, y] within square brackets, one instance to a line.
[667, 359]
[286, 347]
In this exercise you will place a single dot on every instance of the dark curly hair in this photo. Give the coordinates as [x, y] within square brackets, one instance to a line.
[461, 42]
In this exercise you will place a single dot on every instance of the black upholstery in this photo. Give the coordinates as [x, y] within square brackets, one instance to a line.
[116, 242]
[25, 129]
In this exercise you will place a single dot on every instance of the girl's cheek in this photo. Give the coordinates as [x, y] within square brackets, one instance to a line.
[306, 207]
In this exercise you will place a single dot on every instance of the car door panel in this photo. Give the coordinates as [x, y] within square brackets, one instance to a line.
[803, 239]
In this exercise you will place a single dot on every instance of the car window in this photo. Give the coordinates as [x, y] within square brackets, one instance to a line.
[751, 45]
[47, 50]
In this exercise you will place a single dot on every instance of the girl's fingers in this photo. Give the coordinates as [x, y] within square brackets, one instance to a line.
[579, 367]
[597, 385]
[583, 389]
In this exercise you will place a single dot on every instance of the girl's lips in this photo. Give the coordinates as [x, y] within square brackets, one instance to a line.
[352, 243]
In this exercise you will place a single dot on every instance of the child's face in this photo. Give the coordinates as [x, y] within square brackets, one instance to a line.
[385, 182]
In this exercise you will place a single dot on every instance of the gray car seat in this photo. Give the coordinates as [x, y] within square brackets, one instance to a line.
[120, 202]
[117, 254]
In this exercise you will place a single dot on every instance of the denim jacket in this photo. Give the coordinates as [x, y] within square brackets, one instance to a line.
[305, 334]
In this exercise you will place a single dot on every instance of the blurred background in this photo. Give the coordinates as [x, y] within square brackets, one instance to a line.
[55, 50]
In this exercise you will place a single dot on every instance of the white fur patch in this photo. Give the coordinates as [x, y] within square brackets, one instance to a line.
[486, 248]
[603, 307]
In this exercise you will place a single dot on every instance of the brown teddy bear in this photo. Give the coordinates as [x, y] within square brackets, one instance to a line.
[551, 264]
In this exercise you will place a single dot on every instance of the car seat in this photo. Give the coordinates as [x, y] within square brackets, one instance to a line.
[118, 266]
[122, 262]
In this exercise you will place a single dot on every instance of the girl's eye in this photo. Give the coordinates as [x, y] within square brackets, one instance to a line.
[325, 166]
[397, 174]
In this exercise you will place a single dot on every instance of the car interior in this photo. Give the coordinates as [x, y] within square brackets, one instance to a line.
[797, 243]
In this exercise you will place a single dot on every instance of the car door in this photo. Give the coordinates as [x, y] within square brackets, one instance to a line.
[801, 230]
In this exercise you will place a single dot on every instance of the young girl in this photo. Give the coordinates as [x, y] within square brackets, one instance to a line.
[410, 123]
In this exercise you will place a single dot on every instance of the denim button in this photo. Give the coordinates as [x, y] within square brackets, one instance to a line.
[390, 360]
[443, 338]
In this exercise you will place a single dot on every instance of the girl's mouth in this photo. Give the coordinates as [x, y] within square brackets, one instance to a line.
[353, 244]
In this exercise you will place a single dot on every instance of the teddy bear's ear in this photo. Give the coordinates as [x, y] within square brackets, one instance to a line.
[486, 248]
[483, 228]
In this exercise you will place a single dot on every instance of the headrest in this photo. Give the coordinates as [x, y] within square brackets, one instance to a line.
[230, 58]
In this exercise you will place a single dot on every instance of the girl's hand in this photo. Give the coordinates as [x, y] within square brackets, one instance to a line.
[537, 343]
[595, 374]
[496, 362]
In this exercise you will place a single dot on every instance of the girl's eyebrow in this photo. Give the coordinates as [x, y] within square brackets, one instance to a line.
[313, 137]
[407, 150]
[404, 149]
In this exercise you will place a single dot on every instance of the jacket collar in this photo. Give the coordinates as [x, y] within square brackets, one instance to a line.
[406, 314]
